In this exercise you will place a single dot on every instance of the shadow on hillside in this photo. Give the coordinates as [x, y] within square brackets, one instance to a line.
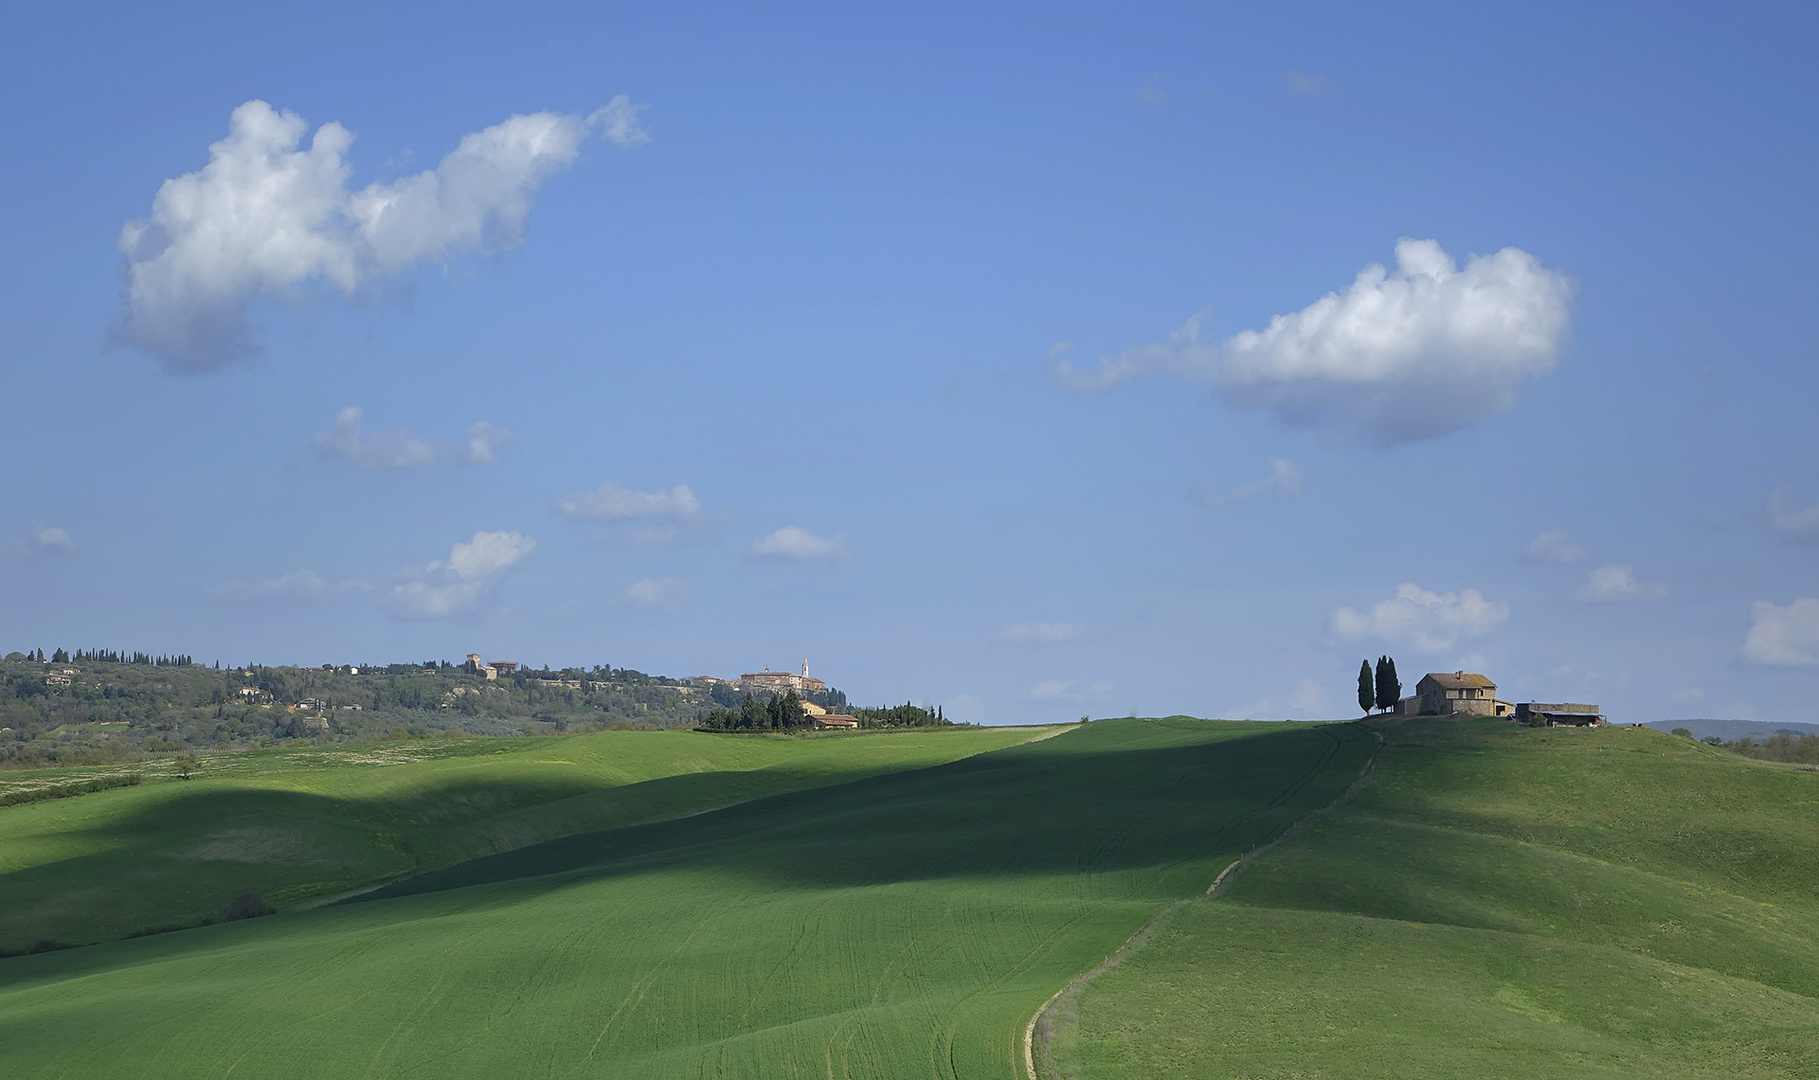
[1119, 795]
[190, 853]
[1115, 794]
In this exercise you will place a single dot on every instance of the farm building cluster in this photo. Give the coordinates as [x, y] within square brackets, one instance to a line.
[1467, 693]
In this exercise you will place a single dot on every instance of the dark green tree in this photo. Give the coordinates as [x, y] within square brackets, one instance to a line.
[1389, 688]
[1367, 689]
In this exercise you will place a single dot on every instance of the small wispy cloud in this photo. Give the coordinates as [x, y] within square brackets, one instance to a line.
[1617, 583]
[1151, 92]
[617, 120]
[296, 586]
[1790, 521]
[348, 440]
[1306, 700]
[1553, 546]
[1040, 633]
[1304, 83]
[657, 592]
[450, 587]
[47, 540]
[610, 502]
[1281, 476]
[793, 542]
[484, 442]
[1069, 690]
[1784, 635]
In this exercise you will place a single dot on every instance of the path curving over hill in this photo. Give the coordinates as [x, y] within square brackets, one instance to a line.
[1499, 901]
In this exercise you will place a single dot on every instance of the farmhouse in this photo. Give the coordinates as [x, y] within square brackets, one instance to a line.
[1560, 714]
[833, 720]
[1458, 693]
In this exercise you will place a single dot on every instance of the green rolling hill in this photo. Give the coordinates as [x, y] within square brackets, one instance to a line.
[906, 924]
[299, 826]
[1496, 902]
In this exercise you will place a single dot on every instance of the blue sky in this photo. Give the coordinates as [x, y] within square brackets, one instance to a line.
[984, 357]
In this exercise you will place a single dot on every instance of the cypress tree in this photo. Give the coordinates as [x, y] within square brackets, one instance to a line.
[1389, 688]
[1367, 689]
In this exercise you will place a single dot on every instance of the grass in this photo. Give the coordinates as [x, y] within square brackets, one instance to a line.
[904, 925]
[300, 826]
[1498, 902]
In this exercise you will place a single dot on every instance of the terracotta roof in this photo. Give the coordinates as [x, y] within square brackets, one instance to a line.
[1458, 680]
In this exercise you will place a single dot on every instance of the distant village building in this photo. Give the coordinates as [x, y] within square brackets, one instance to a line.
[1458, 693]
[312, 703]
[505, 667]
[832, 720]
[57, 679]
[1560, 714]
[781, 682]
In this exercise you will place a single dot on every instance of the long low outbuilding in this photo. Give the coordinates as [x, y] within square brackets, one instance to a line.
[1558, 714]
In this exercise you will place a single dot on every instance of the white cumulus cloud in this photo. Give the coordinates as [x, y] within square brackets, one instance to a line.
[450, 587]
[1281, 476]
[1553, 546]
[1784, 634]
[1618, 584]
[1792, 522]
[1404, 354]
[348, 440]
[1040, 633]
[656, 592]
[1428, 621]
[795, 542]
[298, 585]
[269, 217]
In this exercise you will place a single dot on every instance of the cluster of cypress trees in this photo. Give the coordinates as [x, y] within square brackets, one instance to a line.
[779, 713]
[1381, 689]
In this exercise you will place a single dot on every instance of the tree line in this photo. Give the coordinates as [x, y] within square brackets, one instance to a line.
[784, 712]
[105, 656]
[1785, 746]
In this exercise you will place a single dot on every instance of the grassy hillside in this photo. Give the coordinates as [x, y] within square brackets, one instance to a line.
[1497, 902]
[904, 925]
[301, 825]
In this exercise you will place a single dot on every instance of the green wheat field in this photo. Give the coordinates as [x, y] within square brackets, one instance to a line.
[1491, 901]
